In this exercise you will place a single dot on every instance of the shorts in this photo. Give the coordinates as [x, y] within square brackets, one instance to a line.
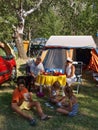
[74, 110]
[24, 105]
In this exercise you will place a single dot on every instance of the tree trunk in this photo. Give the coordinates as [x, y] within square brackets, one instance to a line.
[18, 31]
[19, 44]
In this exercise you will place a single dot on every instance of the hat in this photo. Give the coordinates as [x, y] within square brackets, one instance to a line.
[69, 59]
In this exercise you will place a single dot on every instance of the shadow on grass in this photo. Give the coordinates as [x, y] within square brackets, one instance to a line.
[86, 119]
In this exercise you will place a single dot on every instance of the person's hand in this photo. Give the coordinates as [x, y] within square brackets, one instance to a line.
[20, 102]
[33, 75]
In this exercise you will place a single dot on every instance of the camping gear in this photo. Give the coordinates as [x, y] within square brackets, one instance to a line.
[59, 48]
[78, 73]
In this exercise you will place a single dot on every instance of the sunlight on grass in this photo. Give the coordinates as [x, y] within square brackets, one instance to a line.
[87, 118]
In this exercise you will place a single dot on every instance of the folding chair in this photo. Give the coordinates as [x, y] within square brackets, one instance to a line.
[78, 73]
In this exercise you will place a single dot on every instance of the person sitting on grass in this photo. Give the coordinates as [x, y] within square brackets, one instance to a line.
[22, 99]
[69, 104]
[55, 92]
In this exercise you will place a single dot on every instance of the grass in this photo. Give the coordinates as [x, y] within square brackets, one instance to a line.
[87, 118]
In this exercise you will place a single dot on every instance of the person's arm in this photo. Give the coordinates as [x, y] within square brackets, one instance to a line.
[16, 100]
[30, 97]
[62, 99]
[70, 104]
[33, 75]
[20, 102]
[32, 71]
[72, 71]
[41, 68]
[51, 94]
[65, 71]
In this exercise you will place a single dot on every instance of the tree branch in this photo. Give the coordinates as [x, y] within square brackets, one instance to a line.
[25, 13]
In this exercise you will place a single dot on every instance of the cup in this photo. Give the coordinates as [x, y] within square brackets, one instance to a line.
[26, 96]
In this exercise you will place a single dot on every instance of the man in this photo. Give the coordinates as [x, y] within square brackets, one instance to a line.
[22, 99]
[33, 69]
[36, 67]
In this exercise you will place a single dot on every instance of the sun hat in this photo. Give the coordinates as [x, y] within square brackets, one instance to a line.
[69, 59]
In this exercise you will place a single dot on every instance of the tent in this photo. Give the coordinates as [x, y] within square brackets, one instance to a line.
[58, 48]
[70, 42]
[93, 64]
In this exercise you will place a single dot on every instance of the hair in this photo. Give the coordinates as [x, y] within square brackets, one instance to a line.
[56, 85]
[69, 91]
[38, 58]
[21, 81]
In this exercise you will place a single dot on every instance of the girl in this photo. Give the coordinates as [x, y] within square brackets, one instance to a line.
[69, 103]
[54, 92]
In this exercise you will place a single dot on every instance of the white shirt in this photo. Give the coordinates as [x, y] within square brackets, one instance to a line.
[68, 70]
[36, 68]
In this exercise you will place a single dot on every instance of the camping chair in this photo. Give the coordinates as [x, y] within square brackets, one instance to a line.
[78, 73]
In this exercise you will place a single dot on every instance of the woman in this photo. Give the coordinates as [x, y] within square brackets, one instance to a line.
[70, 72]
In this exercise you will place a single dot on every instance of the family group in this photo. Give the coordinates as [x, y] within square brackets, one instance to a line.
[22, 96]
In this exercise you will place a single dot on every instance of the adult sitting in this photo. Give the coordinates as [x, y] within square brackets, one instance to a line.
[70, 72]
[22, 99]
[34, 68]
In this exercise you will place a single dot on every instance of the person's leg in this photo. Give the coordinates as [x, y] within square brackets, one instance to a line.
[63, 111]
[54, 100]
[38, 108]
[20, 112]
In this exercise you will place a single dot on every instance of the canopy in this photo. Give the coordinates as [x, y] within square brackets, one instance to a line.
[70, 42]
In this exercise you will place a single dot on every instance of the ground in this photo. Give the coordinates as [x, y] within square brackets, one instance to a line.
[87, 118]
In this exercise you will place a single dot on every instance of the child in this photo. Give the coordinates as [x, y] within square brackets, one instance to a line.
[69, 105]
[54, 92]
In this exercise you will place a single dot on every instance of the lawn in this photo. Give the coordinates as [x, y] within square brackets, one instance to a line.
[87, 118]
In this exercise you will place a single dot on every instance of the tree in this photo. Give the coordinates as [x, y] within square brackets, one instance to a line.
[18, 30]
[79, 16]
[52, 17]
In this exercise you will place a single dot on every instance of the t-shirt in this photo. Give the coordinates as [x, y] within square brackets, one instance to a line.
[54, 93]
[18, 95]
[36, 68]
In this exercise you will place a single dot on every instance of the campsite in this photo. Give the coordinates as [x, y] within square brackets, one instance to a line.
[49, 65]
[86, 119]
[87, 98]
[58, 48]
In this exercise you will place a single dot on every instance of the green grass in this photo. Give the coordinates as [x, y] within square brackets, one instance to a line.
[87, 118]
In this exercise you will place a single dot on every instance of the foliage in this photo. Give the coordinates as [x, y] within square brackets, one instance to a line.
[45, 24]
[53, 18]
